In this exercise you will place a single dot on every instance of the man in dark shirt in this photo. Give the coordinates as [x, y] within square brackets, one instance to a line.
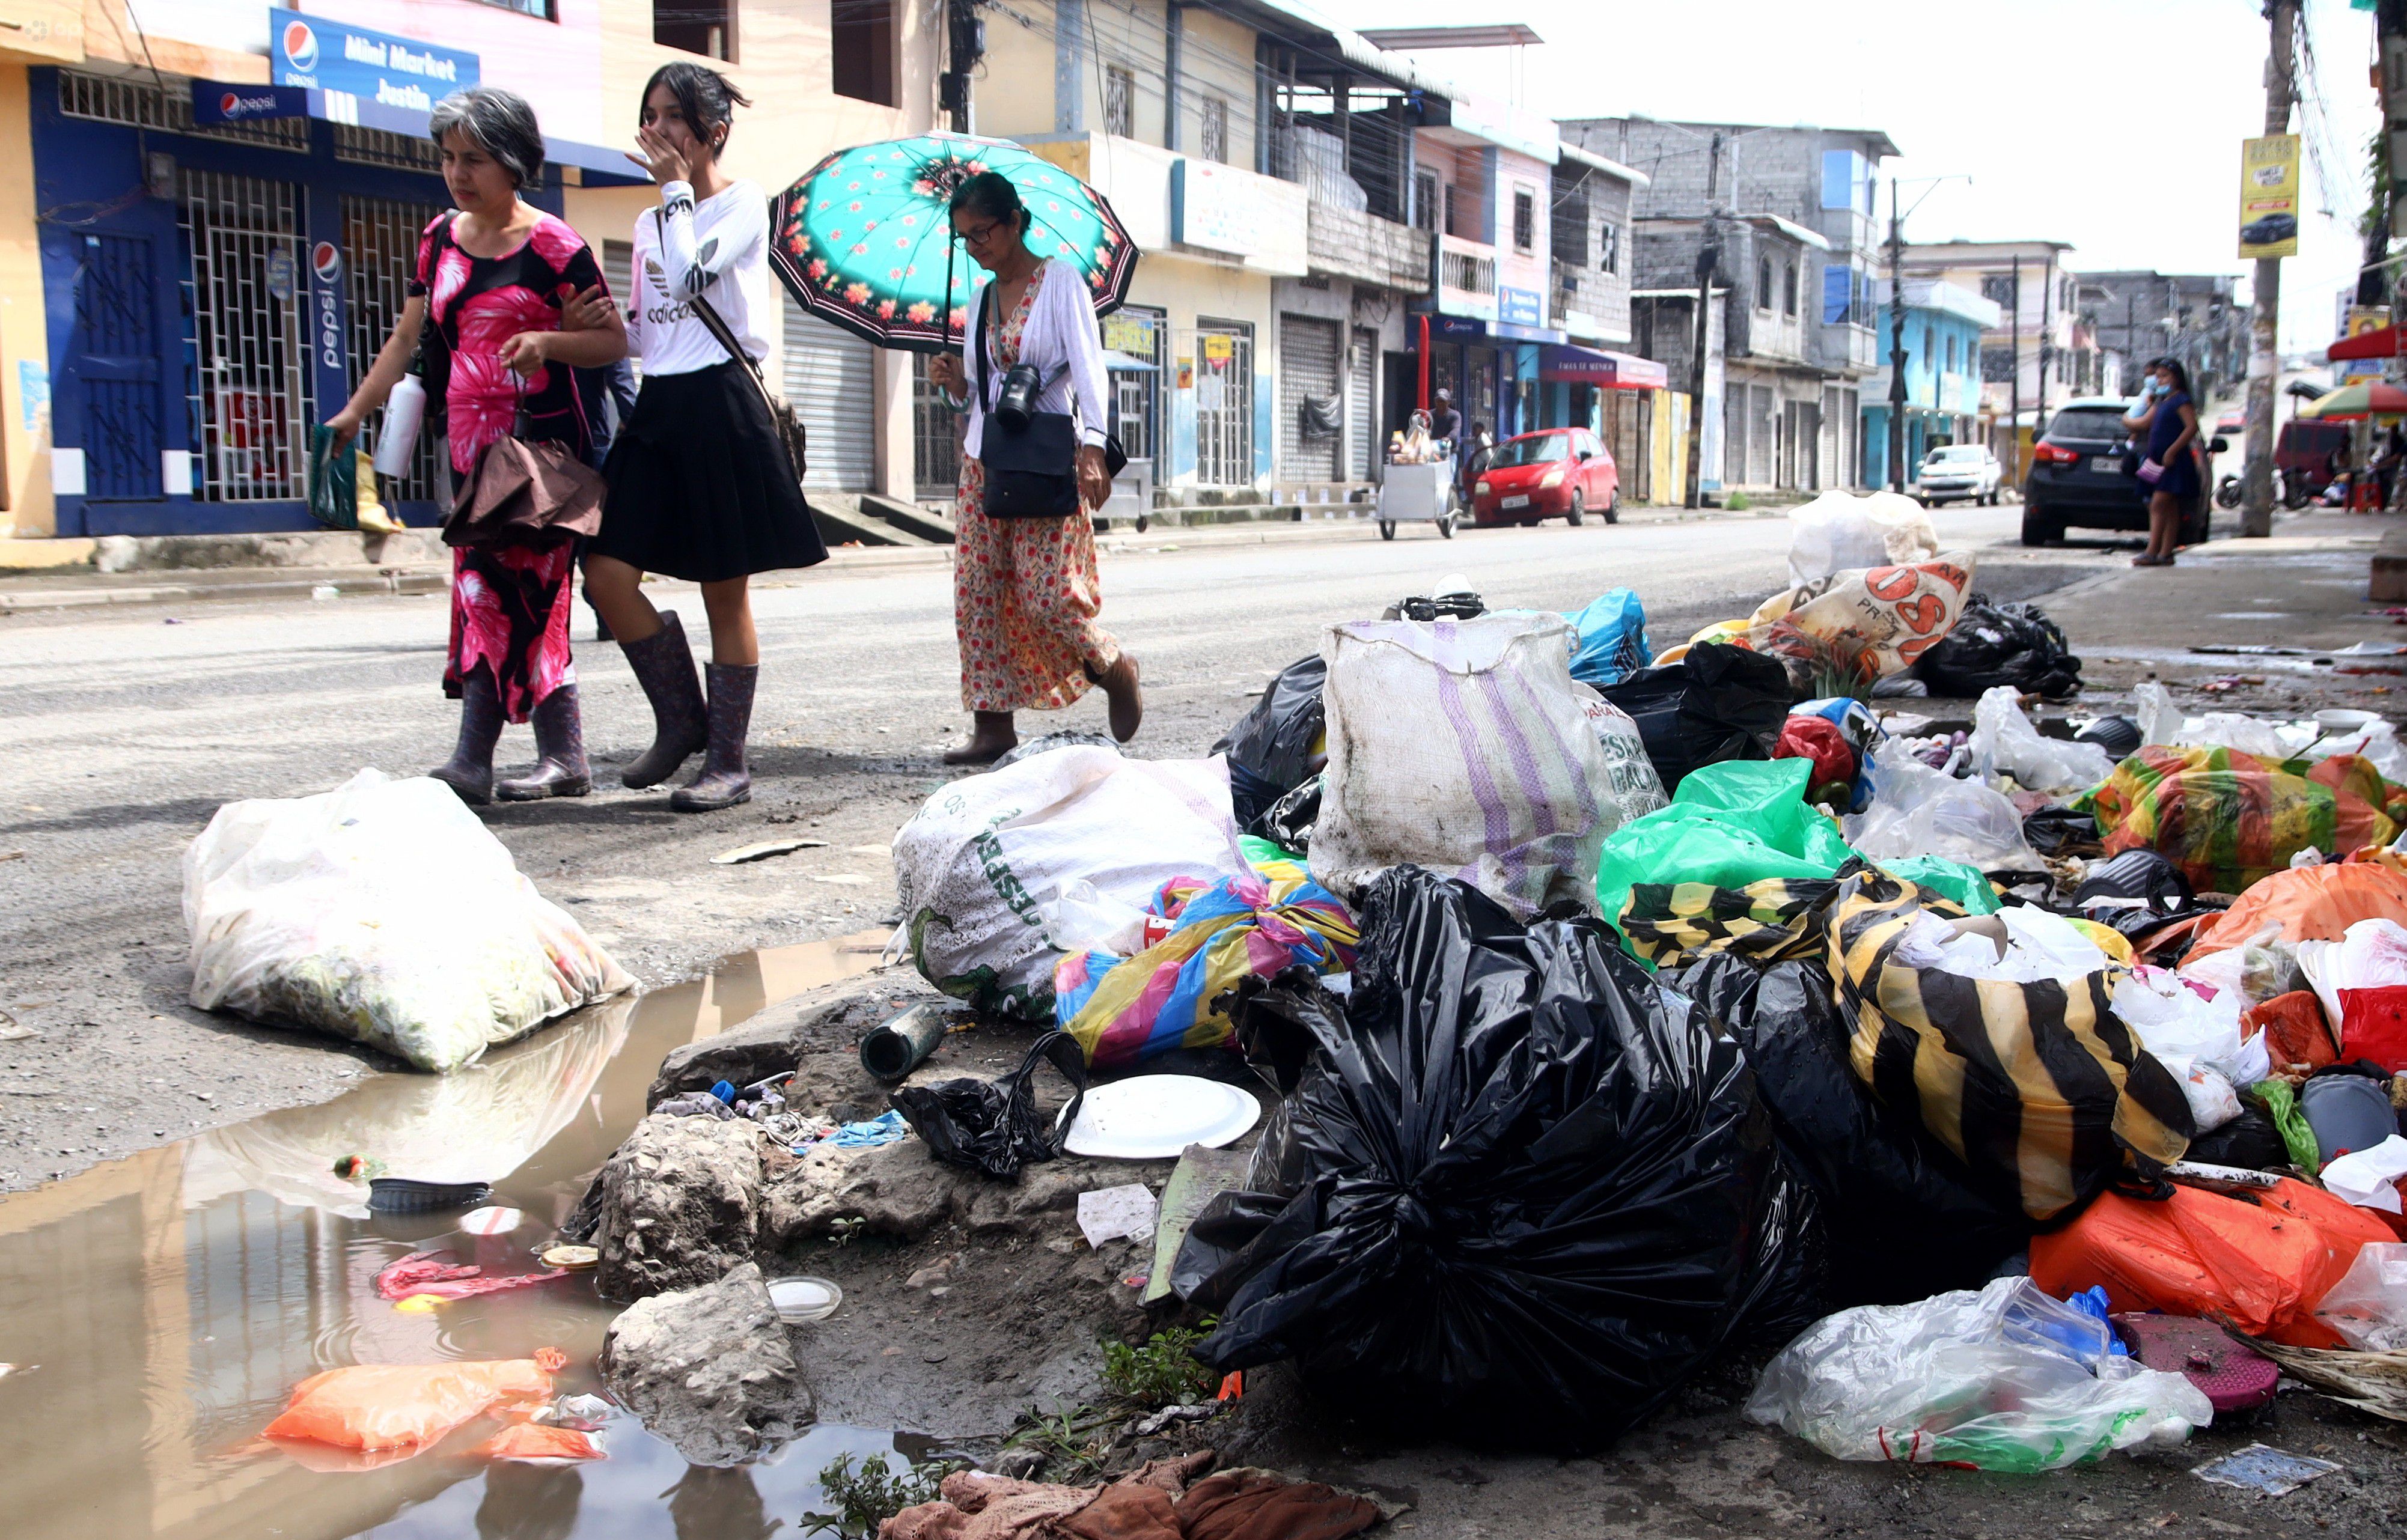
[1445, 421]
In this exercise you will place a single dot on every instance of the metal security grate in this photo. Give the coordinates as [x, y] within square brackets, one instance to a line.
[109, 100]
[116, 322]
[381, 244]
[375, 146]
[249, 390]
[935, 436]
[1224, 404]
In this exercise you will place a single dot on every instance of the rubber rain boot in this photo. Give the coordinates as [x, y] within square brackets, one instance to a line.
[469, 772]
[664, 666]
[725, 780]
[561, 769]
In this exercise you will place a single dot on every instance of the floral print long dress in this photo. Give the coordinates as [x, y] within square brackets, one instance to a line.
[509, 603]
[1026, 591]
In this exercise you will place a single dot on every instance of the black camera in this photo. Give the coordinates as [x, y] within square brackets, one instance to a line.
[1015, 403]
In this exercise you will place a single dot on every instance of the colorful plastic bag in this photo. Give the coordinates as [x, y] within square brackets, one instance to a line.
[1861, 625]
[2262, 1266]
[2007, 1379]
[1729, 826]
[1611, 644]
[1121, 1010]
[386, 1406]
[2297, 1041]
[2229, 819]
[2035, 1085]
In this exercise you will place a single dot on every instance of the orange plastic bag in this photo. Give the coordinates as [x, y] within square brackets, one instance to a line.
[386, 1405]
[2262, 1266]
[2297, 1038]
[537, 1441]
[2309, 903]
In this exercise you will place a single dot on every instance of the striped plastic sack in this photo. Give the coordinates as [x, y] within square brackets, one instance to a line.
[2229, 819]
[1121, 1010]
[1463, 746]
[2037, 1087]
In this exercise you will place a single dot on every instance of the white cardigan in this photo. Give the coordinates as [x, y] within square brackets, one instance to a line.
[1061, 329]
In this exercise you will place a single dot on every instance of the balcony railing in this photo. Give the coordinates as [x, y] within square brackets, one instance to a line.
[1468, 266]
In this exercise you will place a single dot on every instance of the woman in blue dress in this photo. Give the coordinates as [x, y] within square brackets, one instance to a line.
[2168, 471]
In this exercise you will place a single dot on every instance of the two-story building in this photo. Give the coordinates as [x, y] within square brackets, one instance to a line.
[2032, 362]
[1800, 435]
[215, 261]
[1943, 327]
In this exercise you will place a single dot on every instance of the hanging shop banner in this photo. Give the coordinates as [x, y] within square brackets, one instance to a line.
[372, 66]
[2269, 196]
[219, 102]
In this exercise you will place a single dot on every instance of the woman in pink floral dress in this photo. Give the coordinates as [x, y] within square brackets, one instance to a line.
[492, 278]
[1026, 591]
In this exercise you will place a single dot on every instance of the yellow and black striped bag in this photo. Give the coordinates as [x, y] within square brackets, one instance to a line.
[2038, 1088]
[1668, 925]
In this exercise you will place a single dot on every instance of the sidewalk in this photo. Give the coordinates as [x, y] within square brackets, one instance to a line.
[423, 566]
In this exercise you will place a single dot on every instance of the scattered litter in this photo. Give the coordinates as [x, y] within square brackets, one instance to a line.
[1111, 1213]
[572, 1259]
[2369, 1177]
[2233, 1376]
[802, 1299]
[538, 1441]
[886, 1128]
[490, 1222]
[17, 1034]
[391, 1405]
[1155, 1117]
[402, 1196]
[433, 1275]
[1145, 1427]
[763, 851]
[894, 1047]
[2263, 1469]
[993, 1125]
[2368, 1306]
[324, 591]
[1201, 1175]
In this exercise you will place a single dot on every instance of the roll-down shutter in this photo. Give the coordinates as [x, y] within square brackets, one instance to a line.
[831, 378]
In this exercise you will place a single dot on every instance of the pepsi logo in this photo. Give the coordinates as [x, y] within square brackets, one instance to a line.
[300, 44]
[229, 104]
[326, 260]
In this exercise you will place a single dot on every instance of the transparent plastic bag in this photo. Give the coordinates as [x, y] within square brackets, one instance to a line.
[1917, 810]
[2369, 1305]
[2004, 742]
[2007, 1379]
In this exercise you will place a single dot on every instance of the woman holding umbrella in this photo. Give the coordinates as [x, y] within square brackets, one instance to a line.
[701, 486]
[1026, 591]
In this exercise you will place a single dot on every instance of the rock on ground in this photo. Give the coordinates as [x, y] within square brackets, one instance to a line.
[710, 1370]
[680, 1204]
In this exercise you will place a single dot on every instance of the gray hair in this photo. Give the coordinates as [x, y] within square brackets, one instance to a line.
[500, 121]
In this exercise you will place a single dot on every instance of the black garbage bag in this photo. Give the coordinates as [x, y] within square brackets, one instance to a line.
[993, 1125]
[2059, 831]
[2107, 894]
[2251, 1141]
[1270, 750]
[1539, 1190]
[1288, 822]
[1903, 1218]
[1718, 702]
[1995, 645]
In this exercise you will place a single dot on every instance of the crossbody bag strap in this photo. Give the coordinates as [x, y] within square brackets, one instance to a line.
[716, 325]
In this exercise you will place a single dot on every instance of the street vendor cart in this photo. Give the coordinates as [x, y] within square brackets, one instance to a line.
[1418, 493]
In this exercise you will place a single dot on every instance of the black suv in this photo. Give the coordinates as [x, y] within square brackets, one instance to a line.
[2084, 472]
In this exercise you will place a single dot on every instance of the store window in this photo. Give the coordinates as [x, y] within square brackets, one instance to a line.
[1224, 403]
[1119, 101]
[1425, 199]
[861, 43]
[1608, 249]
[1788, 291]
[706, 27]
[1215, 137]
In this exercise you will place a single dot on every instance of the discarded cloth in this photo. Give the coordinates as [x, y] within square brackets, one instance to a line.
[1165, 1500]
[2037, 1086]
[886, 1128]
[433, 1273]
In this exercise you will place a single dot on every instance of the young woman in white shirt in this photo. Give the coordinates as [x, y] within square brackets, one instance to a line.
[701, 486]
[1026, 591]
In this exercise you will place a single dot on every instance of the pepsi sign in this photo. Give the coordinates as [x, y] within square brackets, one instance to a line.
[216, 102]
[326, 296]
[316, 54]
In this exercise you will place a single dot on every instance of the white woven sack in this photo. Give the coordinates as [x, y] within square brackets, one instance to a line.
[989, 869]
[1463, 746]
[384, 911]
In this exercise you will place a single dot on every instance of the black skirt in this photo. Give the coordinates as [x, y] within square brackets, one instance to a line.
[699, 484]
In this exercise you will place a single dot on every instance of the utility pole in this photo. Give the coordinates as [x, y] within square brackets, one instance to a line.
[1896, 341]
[2265, 317]
[2046, 293]
[2014, 371]
[1709, 256]
[965, 39]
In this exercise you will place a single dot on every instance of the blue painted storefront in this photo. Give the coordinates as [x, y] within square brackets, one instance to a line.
[124, 343]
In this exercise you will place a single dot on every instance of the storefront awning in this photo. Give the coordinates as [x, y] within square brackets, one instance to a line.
[2380, 342]
[1571, 365]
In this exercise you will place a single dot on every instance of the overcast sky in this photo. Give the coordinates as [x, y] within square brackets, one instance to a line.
[2113, 124]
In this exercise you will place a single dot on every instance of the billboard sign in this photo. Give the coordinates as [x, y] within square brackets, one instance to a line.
[374, 66]
[2269, 196]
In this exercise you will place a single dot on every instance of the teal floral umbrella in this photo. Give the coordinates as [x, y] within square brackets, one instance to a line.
[865, 240]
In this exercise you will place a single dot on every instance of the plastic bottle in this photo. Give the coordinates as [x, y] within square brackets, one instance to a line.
[405, 410]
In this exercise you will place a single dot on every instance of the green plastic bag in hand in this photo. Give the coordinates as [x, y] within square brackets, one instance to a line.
[333, 481]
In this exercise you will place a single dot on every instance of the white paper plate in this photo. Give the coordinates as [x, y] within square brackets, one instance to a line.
[1154, 1117]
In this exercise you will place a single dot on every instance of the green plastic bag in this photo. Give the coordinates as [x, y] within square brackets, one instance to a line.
[2281, 1101]
[1954, 881]
[1738, 821]
[333, 481]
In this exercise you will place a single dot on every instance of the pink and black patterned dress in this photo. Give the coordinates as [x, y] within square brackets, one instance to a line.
[509, 603]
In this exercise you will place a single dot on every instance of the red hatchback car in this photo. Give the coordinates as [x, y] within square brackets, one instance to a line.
[1555, 473]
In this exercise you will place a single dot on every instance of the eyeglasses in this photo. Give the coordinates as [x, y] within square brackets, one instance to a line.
[982, 235]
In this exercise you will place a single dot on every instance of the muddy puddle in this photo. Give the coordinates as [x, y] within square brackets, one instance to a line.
[155, 1312]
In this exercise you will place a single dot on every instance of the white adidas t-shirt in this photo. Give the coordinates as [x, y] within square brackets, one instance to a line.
[725, 259]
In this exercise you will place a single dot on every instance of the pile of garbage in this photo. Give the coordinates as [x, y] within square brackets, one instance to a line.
[1625, 1008]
